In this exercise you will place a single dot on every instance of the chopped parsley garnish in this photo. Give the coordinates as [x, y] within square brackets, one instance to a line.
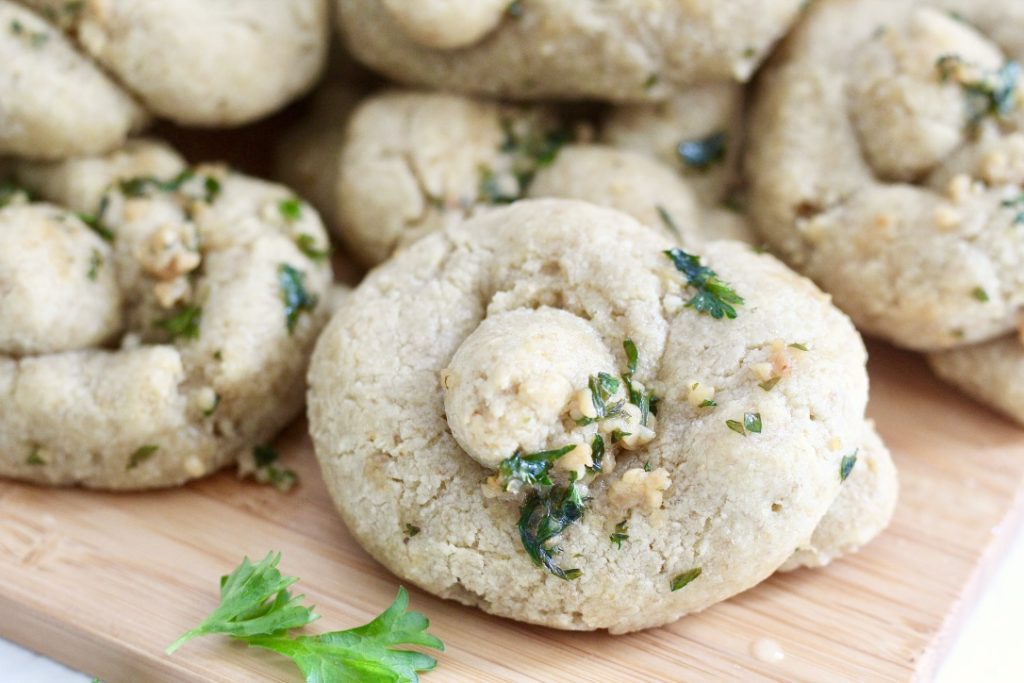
[34, 458]
[751, 423]
[490, 189]
[307, 245]
[687, 577]
[713, 297]
[95, 263]
[265, 457]
[647, 466]
[645, 400]
[531, 469]
[142, 186]
[597, 451]
[411, 530]
[980, 294]
[10, 192]
[602, 388]
[293, 291]
[769, 384]
[618, 435]
[1017, 203]
[291, 209]
[257, 608]
[543, 517]
[708, 403]
[621, 533]
[669, 222]
[141, 455]
[184, 323]
[95, 222]
[703, 153]
[798, 346]
[212, 409]
[651, 81]
[846, 465]
[35, 38]
[994, 93]
[529, 152]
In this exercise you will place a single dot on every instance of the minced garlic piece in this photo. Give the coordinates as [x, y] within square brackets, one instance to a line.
[947, 218]
[170, 252]
[577, 460]
[764, 371]
[700, 394]
[639, 488]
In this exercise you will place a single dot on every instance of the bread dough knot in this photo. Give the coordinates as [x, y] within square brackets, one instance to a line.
[907, 91]
[512, 384]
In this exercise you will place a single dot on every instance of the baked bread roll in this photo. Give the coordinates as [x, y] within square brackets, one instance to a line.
[483, 407]
[156, 319]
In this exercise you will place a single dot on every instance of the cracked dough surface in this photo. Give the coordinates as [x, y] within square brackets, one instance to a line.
[97, 389]
[78, 78]
[409, 163]
[736, 506]
[871, 175]
[619, 50]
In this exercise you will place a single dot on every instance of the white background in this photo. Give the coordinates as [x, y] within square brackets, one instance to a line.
[989, 648]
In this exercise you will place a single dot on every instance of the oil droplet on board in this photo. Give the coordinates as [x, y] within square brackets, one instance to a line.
[767, 650]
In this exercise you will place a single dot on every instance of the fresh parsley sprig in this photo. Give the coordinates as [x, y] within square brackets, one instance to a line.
[713, 297]
[544, 516]
[257, 608]
[254, 600]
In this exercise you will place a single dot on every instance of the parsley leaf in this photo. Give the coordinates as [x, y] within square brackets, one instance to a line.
[366, 653]
[307, 245]
[597, 451]
[992, 93]
[293, 291]
[752, 422]
[530, 469]
[184, 323]
[669, 221]
[265, 457]
[602, 388]
[291, 209]
[713, 297]
[846, 465]
[685, 578]
[645, 400]
[254, 601]
[620, 534]
[141, 455]
[703, 153]
[545, 515]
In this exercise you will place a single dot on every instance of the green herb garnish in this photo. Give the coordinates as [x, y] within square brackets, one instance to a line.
[602, 388]
[95, 263]
[846, 465]
[597, 451]
[265, 457]
[713, 297]
[736, 426]
[752, 422]
[141, 455]
[411, 530]
[669, 222]
[994, 93]
[291, 209]
[703, 153]
[681, 580]
[514, 9]
[708, 403]
[543, 517]
[621, 533]
[184, 323]
[531, 469]
[95, 224]
[769, 384]
[34, 458]
[645, 400]
[798, 346]
[1016, 203]
[257, 608]
[980, 294]
[10, 192]
[307, 245]
[293, 291]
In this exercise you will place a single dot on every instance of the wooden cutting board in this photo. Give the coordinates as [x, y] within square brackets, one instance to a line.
[104, 582]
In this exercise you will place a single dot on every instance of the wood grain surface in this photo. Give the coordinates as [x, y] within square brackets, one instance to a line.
[104, 582]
